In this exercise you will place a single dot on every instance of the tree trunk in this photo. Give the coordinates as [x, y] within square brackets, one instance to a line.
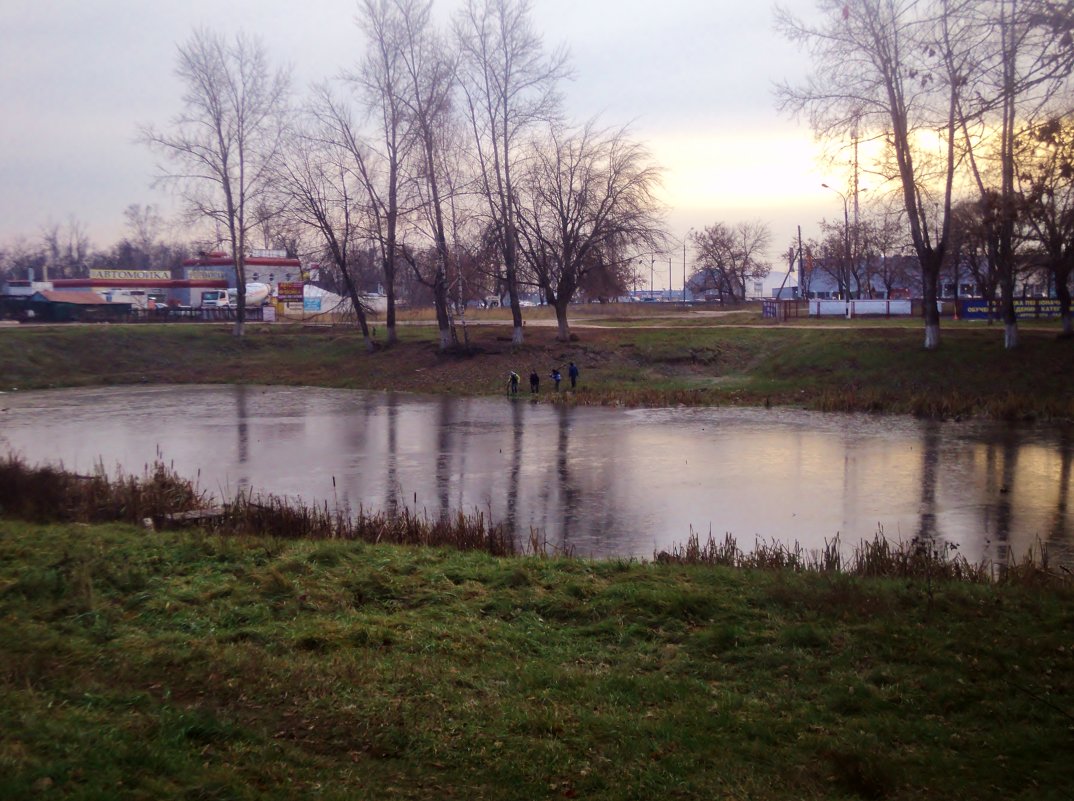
[393, 335]
[356, 301]
[1062, 291]
[930, 274]
[516, 313]
[564, 334]
[1010, 335]
[1010, 318]
[389, 291]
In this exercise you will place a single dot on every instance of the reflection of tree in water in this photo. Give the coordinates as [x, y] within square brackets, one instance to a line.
[573, 499]
[392, 489]
[242, 415]
[1001, 462]
[1058, 531]
[515, 473]
[353, 438]
[445, 419]
[569, 494]
[930, 465]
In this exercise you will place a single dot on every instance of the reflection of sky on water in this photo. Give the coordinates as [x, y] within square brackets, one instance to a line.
[601, 481]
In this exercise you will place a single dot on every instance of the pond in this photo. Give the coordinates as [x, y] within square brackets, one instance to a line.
[599, 482]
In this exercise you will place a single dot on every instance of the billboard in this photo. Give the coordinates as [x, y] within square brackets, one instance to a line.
[289, 291]
[1024, 309]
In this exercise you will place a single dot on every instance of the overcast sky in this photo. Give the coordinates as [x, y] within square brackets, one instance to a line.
[693, 77]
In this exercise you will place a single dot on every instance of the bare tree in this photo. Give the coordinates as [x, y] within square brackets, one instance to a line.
[66, 249]
[322, 191]
[223, 143]
[730, 255]
[586, 199]
[428, 69]
[381, 82]
[509, 86]
[897, 69]
[1046, 166]
[22, 258]
[1025, 54]
[144, 224]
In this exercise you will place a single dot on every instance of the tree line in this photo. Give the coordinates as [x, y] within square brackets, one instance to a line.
[443, 153]
[970, 104]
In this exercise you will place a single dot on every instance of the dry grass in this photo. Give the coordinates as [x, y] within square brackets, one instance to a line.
[920, 558]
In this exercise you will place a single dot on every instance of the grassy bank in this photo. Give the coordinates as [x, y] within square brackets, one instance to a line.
[839, 368]
[182, 665]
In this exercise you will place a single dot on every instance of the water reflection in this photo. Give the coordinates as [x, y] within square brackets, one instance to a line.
[930, 465]
[598, 481]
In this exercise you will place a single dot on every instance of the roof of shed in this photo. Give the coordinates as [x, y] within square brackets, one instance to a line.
[77, 298]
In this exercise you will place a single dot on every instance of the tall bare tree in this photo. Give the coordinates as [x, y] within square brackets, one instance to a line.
[509, 86]
[428, 70]
[586, 199]
[1024, 56]
[381, 83]
[224, 142]
[730, 255]
[896, 70]
[322, 193]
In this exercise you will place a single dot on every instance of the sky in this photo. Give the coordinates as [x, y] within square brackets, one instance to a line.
[693, 78]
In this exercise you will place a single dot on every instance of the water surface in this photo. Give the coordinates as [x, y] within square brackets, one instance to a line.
[602, 482]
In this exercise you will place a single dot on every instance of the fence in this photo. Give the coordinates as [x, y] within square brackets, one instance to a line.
[781, 310]
[860, 308]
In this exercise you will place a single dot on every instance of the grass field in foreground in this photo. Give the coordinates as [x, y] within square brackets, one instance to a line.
[181, 665]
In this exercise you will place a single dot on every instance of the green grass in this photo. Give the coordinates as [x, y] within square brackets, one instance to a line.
[181, 665]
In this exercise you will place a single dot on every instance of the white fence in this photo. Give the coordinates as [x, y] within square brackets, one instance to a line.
[860, 308]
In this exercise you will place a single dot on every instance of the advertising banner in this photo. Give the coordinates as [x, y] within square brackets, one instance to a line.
[311, 304]
[1024, 309]
[289, 291]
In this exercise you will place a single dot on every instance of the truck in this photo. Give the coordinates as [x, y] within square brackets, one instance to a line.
[256, 295]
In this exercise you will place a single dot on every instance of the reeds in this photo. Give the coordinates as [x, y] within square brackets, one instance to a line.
[163, 499]
[920, 558]
[270, 515]
[47, 493]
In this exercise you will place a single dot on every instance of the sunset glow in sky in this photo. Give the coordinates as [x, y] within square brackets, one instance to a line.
[693, 78]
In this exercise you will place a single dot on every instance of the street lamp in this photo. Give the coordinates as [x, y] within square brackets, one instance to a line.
[846, 247]
[684, 240]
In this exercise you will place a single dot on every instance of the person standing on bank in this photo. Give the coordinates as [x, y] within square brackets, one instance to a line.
[557, 377]
[535, 382]
[512, 382]
[572, 371]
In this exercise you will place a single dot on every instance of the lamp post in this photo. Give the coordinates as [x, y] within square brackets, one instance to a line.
[684, 240]
[846, 248]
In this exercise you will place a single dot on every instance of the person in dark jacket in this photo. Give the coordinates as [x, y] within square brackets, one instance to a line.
[535, 382]
[572, 372]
